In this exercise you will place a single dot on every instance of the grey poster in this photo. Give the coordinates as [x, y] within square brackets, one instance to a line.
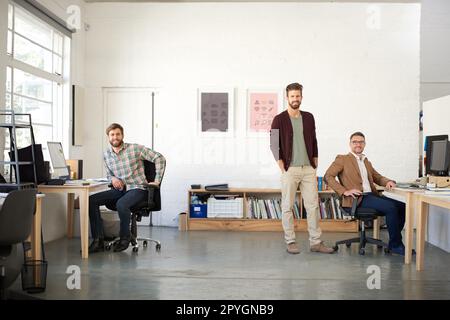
[214, 108]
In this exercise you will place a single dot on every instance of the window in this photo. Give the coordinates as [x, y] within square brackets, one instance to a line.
[35, 77]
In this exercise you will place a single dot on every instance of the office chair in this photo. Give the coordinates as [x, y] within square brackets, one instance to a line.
[363, 215]
[143, 209]
[16, 218]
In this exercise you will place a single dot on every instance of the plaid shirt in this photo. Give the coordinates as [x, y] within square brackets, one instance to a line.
[127, 165]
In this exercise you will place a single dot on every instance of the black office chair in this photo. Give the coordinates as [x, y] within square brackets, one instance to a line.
[152, 204]
[16, 218]
[363, 215]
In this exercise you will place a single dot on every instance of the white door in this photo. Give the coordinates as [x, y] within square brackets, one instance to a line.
[132, 109]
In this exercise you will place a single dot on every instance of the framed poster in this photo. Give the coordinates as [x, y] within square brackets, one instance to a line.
[215, 115]
[262, 106]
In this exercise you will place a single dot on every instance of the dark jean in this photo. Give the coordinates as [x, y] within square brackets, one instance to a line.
[395, 216]
[123, 200]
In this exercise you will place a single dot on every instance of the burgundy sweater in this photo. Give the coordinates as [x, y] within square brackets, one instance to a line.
[282, 136]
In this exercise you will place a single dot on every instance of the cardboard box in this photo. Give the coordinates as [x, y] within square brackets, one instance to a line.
[182, 221]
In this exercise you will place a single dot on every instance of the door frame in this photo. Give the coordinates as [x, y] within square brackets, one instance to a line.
[107, 90]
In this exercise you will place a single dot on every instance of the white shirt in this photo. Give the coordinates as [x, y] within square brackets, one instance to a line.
[363, 170]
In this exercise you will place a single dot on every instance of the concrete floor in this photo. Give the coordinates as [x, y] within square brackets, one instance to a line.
[239, 265]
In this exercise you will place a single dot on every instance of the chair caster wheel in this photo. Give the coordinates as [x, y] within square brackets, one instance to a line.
[348, 245]
[145, 243]
[335, 248]
[387, 251]
[362, 251]
[158, 247]
[135, 249]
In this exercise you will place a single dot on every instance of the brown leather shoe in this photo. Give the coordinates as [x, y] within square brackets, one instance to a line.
[320, 247]
[292, 248]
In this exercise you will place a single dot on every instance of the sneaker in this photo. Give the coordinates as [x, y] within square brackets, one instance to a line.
[320, 247]
[97, 245]
[292, 248]
[122, 244]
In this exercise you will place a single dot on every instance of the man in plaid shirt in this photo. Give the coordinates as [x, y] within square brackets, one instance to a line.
[125, 170]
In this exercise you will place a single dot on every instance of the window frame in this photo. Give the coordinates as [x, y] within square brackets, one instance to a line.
[59, 104]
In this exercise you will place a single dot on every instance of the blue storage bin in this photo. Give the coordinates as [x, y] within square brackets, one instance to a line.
[198, 211]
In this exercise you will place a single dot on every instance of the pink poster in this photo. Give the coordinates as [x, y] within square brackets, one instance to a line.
[263, 108]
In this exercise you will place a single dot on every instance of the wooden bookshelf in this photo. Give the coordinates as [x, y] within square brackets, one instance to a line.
[250, 224]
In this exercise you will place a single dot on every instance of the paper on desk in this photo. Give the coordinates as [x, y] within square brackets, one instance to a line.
[98, 180]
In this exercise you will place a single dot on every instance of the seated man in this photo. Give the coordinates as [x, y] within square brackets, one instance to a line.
[357, 175]
[125, 170]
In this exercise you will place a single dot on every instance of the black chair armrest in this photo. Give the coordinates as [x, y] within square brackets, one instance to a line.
[151, 188]
[354, 205]
[355, 202]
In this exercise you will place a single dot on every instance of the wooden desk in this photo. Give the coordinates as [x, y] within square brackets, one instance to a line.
[411, 198]
[424, 202]
[83, 193]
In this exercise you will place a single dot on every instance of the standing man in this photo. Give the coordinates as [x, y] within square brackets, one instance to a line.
[125, 170]
[294, 145]
[356, 176]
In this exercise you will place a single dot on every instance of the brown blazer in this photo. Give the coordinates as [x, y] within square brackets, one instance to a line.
[346, 169]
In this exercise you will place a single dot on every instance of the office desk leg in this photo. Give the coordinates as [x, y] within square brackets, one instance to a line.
[35, 236]
[376, 228]
[70, 209]
[421, 227]
[408, 227]
[84, 223]
[37, 245]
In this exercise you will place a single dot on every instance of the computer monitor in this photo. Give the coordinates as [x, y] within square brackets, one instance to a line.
[60, 168]
[428, 150]
[440, 157]
[27, 170]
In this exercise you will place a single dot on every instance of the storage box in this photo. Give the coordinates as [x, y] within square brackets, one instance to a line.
[225, 208]
[198, 211]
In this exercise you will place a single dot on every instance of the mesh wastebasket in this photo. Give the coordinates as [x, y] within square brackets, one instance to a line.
[34, 276]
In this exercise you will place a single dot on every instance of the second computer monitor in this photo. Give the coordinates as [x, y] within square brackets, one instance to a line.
[440, 157]
[59, 165]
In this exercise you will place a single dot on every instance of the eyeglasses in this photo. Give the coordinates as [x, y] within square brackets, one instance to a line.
[358, 142]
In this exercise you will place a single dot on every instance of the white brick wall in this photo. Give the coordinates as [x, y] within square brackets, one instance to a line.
[355, 78]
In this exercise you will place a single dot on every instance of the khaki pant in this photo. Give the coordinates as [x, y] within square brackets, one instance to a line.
[306, 177]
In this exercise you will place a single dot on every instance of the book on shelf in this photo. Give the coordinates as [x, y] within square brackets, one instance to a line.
[217, 187]
[264, 208]
[330, 208]
[333, 208]
[278, 208]
[272, 209]
[296, 210]
[321, 184]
